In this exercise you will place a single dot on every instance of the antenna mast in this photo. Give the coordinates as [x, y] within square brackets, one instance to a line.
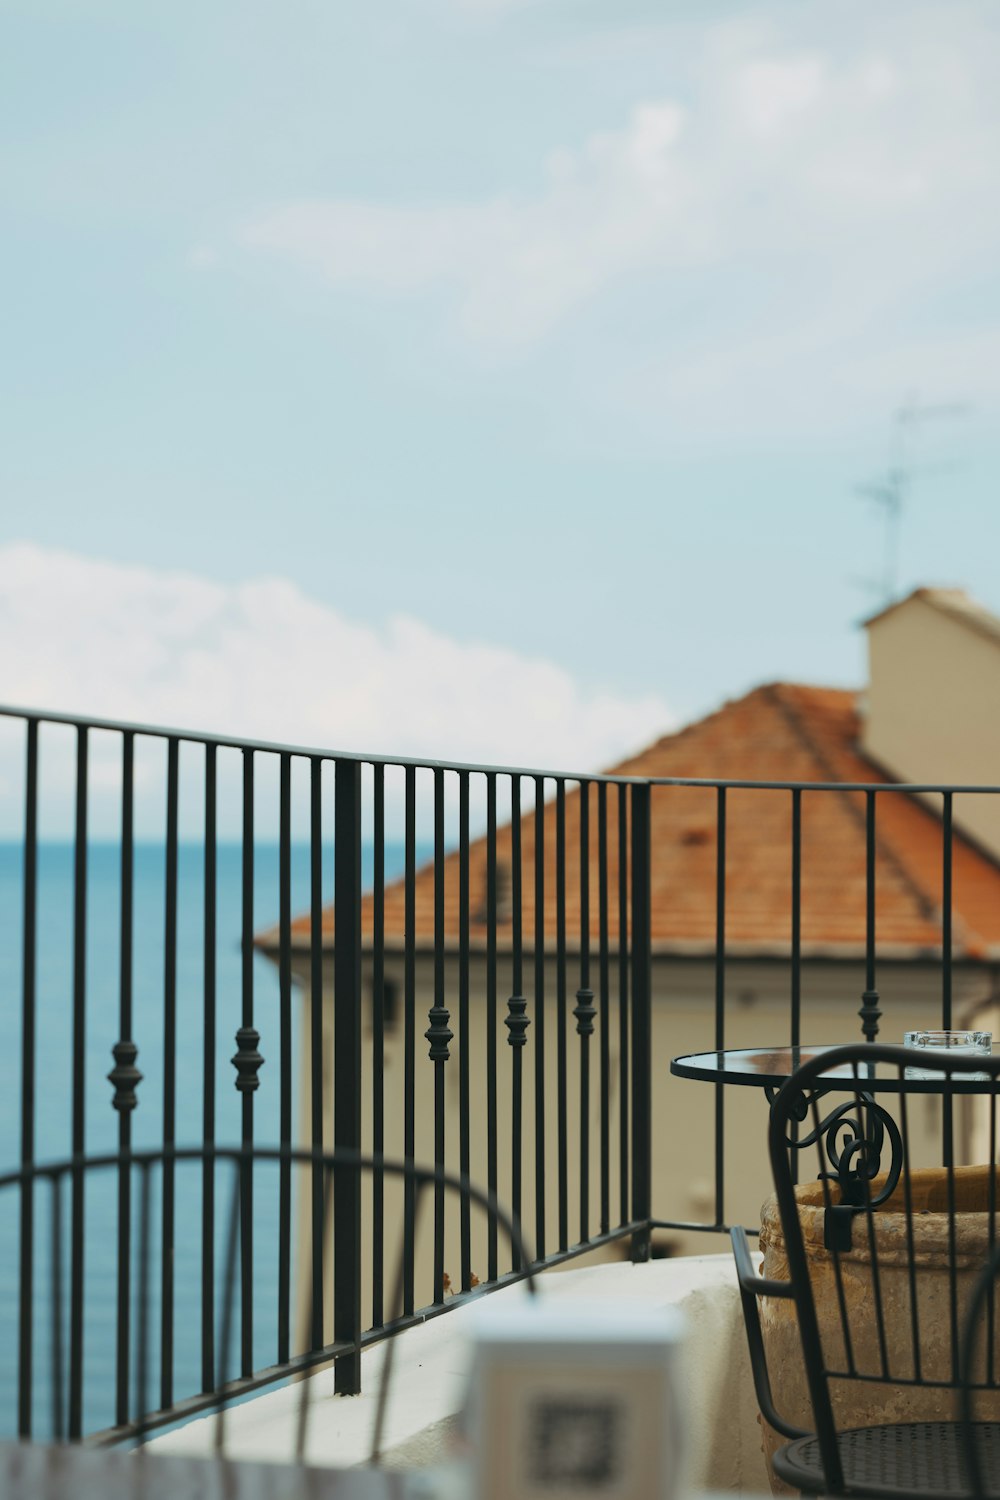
[890, 492]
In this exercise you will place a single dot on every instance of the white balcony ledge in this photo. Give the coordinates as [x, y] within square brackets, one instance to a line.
[430, 1364]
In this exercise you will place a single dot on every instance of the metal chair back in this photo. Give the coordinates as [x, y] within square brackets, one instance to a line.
[980, 1325]
[881, 1250]
[130, 1332]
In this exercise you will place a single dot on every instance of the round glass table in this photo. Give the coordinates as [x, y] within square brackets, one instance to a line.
[769, 1067]
[857, 1133]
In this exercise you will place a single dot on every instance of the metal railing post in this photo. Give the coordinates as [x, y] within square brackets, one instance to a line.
[642, 1092]
[347, 1076]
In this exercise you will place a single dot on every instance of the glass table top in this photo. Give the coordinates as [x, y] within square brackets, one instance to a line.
[768, 1067]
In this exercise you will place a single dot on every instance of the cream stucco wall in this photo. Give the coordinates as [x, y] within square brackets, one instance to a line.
[757, 1014]
[932, 712]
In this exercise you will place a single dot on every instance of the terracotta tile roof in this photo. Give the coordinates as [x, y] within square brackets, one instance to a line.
[780, 732]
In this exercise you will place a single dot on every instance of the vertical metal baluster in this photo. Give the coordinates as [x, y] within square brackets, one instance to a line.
[464, 1123]
[410, 1032]
[540, 1089]
[796, 997]
[169, 1085]
[948, 1102]
[838, 1273]
[142, 1295]
[623, 1005]
[911, 1250]
[491, 1012]
[438, 1035]
[285, 1043]
[208, 1082]
[229, 1286]
[378, 1046]
[124, 1077]
[27, 1207]
[952, 1245]
[516, 1020]
[347, 1054]
[796, 987]
[317, 1216]
[642, 1078]
[864, 1122]
[869, 1011]
[247, 1061]
[991, 1206]
[584, 1011]
[79, 1088]
[605, 1018]
[561, 1086]
[720, 998]
[946, 911]
[58, 1414]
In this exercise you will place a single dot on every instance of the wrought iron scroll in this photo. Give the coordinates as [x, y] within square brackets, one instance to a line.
[852, 1138]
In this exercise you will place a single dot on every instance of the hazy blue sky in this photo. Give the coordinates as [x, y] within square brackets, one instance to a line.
[561, 332]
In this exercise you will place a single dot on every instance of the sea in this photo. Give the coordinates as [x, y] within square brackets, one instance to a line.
[54, 1073]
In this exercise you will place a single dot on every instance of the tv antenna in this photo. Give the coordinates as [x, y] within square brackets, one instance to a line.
[891, 491]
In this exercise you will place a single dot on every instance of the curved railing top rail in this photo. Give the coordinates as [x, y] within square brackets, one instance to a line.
[307, 752]
[364, 757]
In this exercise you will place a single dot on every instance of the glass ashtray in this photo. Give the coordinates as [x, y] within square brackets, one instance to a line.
[946, 1045]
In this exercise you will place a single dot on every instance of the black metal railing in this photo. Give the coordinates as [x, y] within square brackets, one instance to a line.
[484, 1003]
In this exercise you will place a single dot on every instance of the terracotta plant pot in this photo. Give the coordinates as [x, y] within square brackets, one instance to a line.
[859, 1403]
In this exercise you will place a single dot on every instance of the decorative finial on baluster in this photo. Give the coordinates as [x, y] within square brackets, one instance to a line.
[870, 1013]
[247, 1060]
[516, 1021]
[124, 1077]
[585, 1012]
[438, 1033]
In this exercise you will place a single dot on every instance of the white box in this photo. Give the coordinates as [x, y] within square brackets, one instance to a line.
[570, 1399]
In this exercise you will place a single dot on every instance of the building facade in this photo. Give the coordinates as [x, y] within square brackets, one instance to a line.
[790, 957]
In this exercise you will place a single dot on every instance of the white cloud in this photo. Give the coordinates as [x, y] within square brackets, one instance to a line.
[518, 263]
[774, 93]
[862, 156]
[261, 660]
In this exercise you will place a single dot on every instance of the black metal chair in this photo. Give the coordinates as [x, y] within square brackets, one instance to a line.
[980, 1319]
[140, 1318]
[870, 1304]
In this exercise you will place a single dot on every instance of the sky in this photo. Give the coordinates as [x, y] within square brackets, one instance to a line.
[486, 378]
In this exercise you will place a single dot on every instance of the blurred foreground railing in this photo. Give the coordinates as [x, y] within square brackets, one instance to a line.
[141, 1255]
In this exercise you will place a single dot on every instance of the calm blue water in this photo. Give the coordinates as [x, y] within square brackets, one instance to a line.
[54, 1043]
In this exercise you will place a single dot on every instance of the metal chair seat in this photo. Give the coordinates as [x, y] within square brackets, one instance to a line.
[915, 1458]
